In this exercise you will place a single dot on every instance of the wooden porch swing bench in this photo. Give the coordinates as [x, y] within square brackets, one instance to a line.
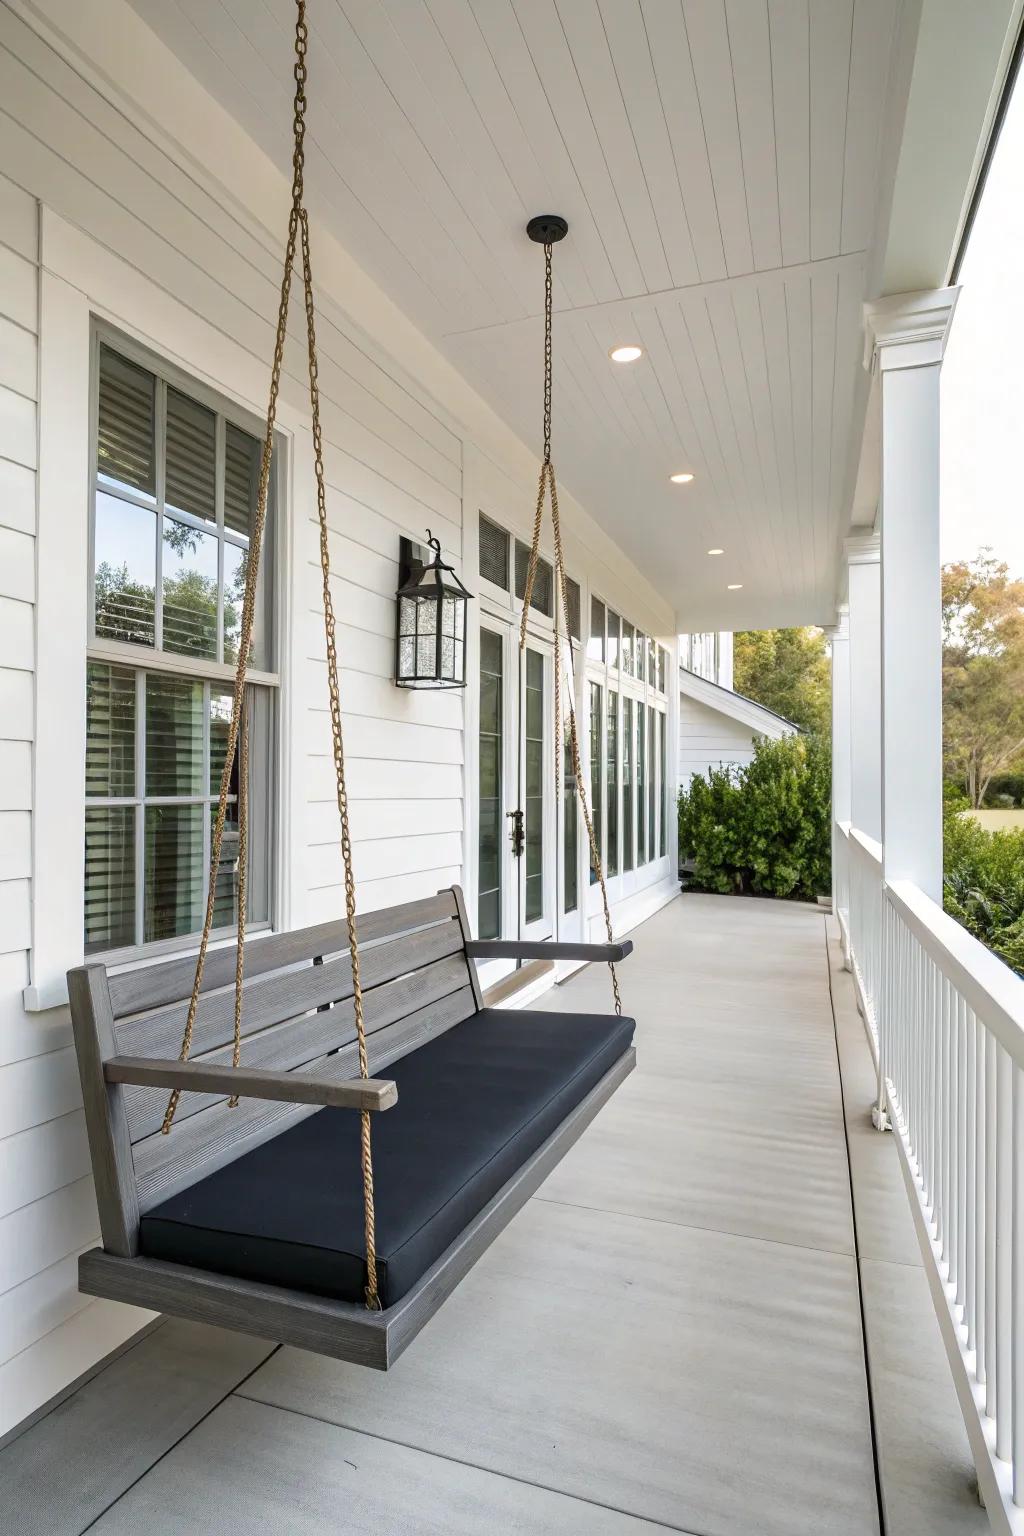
[251, 1217]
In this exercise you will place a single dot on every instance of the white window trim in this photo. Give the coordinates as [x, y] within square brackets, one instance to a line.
[81, 281]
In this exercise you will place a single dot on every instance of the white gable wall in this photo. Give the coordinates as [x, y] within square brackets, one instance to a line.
[131, 232]
[710, 739]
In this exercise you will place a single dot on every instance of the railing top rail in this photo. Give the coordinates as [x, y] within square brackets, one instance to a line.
[987, 985]
[844, 827]
[869, 845]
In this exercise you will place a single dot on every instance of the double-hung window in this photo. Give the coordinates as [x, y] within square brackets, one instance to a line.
[174, 494]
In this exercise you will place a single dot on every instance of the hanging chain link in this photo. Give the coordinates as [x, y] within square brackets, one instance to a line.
[547, 482]
[298, 236]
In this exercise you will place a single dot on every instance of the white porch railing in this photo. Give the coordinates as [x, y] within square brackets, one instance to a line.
[948, 1021]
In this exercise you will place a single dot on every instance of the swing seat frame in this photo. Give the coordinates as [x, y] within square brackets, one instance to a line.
[298, 1055]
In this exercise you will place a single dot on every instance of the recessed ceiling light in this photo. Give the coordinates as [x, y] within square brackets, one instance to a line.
[683, 478]
[626, 354]
[734, 586]
[716, 551]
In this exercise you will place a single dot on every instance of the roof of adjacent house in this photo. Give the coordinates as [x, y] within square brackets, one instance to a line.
[736, 705]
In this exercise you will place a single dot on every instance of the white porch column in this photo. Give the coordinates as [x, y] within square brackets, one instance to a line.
[839, 642]
[906, 338]
[865, 714]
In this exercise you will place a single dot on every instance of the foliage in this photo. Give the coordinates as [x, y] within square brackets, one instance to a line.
[766, 828]
[982, 672]
[786, 670]
[983, 886]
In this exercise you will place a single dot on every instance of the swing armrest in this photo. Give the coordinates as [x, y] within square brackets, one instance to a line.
[252, 1083]
[543, 949]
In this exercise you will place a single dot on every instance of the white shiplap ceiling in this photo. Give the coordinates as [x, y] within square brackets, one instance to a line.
[718, 162]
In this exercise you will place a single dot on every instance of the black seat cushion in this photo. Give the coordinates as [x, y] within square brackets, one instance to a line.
[473, 1104]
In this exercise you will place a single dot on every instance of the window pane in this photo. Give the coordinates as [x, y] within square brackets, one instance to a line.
[652, 664]
[174, 873]
[627, 648]
[596, 769]
[125, 570]
[109, 877]
[595, 645]
[641, 784]
[242, 455]
[640, 657]
[668, 799]
[110, 731]
[627, 783]
[572, 598]
[490, 814]
[612, 777]
[220, 727]
[190, 590]
[191, 470]
[225, 909]
[652, 781]
[613, 639]
[570, 811]
[542, 596]
[174, 736]
[236, 561]
[534, 785]
[125, 453]
[493, 561]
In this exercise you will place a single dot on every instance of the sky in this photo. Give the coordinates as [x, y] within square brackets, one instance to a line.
[982, 398]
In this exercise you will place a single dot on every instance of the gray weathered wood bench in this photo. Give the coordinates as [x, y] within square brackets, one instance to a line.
[250, 1217]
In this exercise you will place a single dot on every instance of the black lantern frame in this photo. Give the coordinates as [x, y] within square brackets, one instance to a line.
[430, 643]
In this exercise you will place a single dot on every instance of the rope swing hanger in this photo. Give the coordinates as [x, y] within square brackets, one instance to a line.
[546, 230]
[298, 239]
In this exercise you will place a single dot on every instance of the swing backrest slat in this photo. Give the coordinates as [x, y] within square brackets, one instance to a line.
[297, 1014]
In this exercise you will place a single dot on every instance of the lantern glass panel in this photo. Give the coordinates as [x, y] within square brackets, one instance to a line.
[406, 615]
[447, 657]
[426, 616]
[407, 656]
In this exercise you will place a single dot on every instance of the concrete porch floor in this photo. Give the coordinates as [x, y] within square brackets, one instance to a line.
[671, 1334]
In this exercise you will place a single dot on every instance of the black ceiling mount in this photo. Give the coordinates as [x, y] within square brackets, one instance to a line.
[547, 228]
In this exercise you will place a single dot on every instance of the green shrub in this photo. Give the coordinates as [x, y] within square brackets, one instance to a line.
[983, 884]
[765, 828]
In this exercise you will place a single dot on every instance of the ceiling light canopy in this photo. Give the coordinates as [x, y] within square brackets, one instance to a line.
[716, 551]
[627, 353]
[682, 478]
[734, 586]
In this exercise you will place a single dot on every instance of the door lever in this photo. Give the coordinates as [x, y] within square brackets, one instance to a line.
[518, 833]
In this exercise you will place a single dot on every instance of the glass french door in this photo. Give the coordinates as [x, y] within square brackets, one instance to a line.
[534, 839]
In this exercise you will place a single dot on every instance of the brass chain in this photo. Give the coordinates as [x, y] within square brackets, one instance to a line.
[298, 235]
[547, 482]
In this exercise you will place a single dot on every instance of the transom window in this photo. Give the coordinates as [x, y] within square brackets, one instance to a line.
[176, 482]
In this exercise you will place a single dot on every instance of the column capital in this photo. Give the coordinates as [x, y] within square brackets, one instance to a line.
[863, 549]
[840, 630]
[908, 330]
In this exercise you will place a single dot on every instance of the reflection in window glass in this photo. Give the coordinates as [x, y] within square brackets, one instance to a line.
[110, 731]
[641, 785]
[534, 799]
[125, 452]
[595, 645]
[596, 774]
[627, 783]
[626, 662]
[189, 590]
[125, 570]
[613, 639]
[652, 778]
[570, 812]
[668, 816]
[612, 777]
[490, 816]
[236, 559]
[174, 735]
[109, 877]
[175, 872]
[191, 458]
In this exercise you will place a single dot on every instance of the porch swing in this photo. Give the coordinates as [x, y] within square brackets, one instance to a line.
[246, 1216]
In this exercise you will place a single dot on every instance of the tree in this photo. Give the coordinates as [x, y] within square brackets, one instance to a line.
[786, 670]
[982, 671]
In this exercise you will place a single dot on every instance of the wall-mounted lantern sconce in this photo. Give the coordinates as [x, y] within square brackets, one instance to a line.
[430, 650]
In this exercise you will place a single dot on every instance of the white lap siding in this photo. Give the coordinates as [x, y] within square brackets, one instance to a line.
[193, 273]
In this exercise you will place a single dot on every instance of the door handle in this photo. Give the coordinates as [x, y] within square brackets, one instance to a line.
[518, 833]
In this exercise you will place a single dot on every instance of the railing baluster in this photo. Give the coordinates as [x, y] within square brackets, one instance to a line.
[980, 1314]
[1002, 1238]
[971, 1184]
[990, 1225]
[961, 1152]
[1017, 1288]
